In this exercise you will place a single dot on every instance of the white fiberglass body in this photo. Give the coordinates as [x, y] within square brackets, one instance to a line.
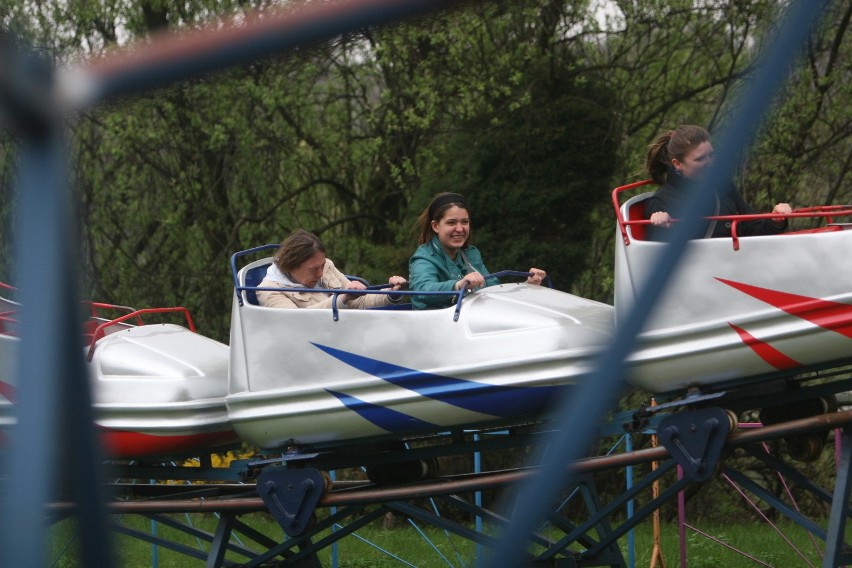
[737, 308]
[157, 389]
[298, 376]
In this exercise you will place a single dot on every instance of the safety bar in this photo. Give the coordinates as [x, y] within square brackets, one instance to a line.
[827, 212]
[99, 331]
[382, 289]
[376, 289]
[96, 307]
[622, 223]
[235, 273]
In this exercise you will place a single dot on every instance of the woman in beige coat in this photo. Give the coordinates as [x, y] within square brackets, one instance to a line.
[300, 262]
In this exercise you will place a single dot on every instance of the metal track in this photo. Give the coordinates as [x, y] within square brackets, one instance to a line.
[594, 542]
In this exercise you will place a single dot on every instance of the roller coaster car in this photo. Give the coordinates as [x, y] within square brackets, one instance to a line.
[158, 389]
[313, 376]
[737, 308]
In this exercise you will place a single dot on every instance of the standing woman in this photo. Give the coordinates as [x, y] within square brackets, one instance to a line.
[445, 260]
[679, 158]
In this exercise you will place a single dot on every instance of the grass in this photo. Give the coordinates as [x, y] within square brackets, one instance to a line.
[732, 546]
[410, 548]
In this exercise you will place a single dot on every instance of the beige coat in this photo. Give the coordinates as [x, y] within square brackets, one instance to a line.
[332, 279]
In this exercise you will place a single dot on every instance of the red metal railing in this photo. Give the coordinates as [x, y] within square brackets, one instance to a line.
[826, 213]
[100, 331]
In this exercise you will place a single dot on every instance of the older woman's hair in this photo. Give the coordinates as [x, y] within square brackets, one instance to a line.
[298, 247]
[672, 144]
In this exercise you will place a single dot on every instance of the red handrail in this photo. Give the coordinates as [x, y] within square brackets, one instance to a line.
[99, 331]
[96, 306]
[827, 212]
[622, 223]
[7, 317]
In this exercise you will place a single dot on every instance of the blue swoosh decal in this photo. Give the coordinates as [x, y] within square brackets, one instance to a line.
[488, 399]
[390, 420]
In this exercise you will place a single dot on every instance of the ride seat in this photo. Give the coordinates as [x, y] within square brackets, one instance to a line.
[634, 210]
[250, 276]
[253, 276]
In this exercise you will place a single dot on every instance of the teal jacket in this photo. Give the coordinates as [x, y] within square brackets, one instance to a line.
[430, 269]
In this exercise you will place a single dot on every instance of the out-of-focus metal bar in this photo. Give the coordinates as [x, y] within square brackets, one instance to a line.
[54, 404]
[242, 39]
[836, 551]
[53, 411]
[582, 411]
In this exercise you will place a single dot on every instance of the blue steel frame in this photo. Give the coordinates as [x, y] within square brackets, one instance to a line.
[54, 413]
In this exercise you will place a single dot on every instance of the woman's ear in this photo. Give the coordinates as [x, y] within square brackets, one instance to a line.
[434, 226]
[677, 164]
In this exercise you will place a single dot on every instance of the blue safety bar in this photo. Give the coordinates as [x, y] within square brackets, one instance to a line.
[251, 288]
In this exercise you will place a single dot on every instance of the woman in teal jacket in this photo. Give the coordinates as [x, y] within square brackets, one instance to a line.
[445, 261]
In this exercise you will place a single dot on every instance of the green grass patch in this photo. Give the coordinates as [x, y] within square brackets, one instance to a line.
[428, 547]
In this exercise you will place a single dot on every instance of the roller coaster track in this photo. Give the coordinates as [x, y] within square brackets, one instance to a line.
[352, 504]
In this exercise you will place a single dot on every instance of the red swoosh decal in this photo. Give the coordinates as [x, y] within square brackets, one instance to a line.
[766, 351]
[833, 316]
[7, 391]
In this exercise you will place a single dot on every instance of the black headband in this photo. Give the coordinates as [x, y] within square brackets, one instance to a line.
[444, 200]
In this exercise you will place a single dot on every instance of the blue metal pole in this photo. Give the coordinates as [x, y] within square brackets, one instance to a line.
[155, 548]
[54, 431]
[835, 541]
[631, 536]
[32, 467]
[172, 58]
[334, 552]
[477, 468]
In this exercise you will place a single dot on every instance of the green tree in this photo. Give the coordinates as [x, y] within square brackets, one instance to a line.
[535, 109]
[672, 63]
[805, 151]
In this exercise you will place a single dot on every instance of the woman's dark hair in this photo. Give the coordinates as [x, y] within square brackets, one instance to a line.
[672, 144]
[298, 247]
[435, 212]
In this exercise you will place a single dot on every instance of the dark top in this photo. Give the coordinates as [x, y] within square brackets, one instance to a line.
[430, 269]
[672, 198]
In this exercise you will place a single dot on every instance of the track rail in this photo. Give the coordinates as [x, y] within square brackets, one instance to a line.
[213, 497]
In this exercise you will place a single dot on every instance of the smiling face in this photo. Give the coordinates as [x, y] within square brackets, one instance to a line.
[453, 229]
[695, 162]
[309, 272]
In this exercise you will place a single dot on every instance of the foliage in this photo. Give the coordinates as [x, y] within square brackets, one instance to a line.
[804, 155]
[534, 109]
[342, 139]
